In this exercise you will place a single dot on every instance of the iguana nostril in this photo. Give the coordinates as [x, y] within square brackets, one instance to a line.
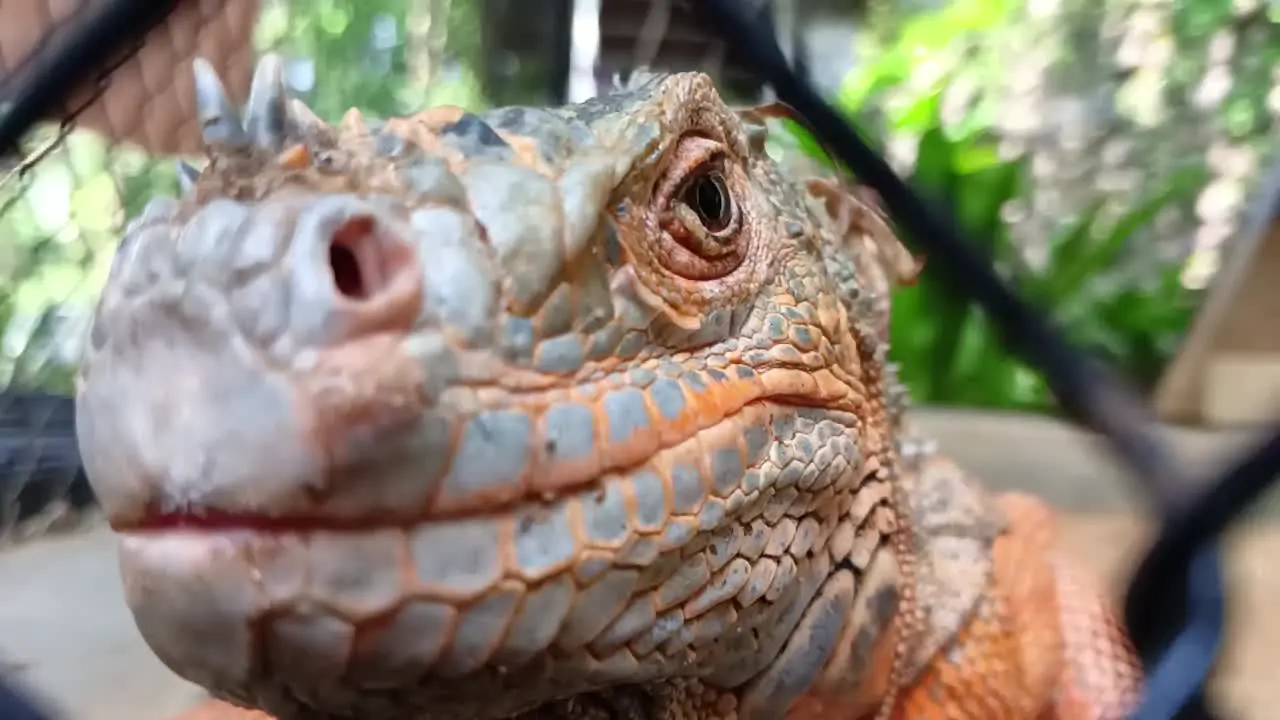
[358, 260]
[351, 269]
[346, 272]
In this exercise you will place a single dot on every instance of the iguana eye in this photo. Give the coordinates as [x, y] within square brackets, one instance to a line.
[708, 196]
[703, 216]
[699, 212]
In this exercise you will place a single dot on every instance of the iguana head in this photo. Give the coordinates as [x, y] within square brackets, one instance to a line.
[458, 415]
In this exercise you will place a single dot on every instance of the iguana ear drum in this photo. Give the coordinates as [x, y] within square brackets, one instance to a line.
[867, 258]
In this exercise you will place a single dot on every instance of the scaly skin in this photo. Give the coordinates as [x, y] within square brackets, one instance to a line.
[566, 413]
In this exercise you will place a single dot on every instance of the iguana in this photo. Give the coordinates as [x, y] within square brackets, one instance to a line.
[570, 412]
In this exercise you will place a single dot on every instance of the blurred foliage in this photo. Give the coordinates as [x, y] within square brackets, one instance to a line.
[1252, 27]
[386, 57]
[60, 225]
[910, 59]
[1127, 312]
[929, 79]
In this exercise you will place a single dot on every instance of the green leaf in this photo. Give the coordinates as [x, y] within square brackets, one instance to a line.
[919, 115]
[806, 143]
[969, 155]
[1071, 242]
[934, 170]
[873, 77]
[977, 199]
[912, 340]
[981, 197]
[1083, 257]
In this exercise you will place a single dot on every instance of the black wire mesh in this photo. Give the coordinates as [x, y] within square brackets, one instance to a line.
[80, 66]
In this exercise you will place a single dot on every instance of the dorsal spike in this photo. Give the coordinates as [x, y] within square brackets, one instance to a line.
[265, 114]
[187, 176]
[219, 120]
[353, 122]
[304, 120]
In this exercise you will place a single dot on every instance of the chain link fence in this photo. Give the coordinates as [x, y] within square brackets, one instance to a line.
[64, 197]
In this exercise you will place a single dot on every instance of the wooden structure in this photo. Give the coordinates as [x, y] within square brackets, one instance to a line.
[527, 46]
[1227, 372]
[525, 58]
[664, 35]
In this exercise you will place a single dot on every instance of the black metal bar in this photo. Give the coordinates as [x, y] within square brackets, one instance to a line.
[561, 12]
[17, 705]
[1201, 522]
[96, 37]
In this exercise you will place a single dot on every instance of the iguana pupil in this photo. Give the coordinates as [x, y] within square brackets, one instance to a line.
[709, 198]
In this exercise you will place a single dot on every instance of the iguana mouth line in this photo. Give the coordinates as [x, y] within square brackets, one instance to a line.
[541, 490]
[216, 521]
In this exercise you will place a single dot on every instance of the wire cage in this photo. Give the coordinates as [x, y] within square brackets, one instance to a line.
[98, 103]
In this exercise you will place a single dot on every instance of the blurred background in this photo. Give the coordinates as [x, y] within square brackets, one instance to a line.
[1119, 155]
